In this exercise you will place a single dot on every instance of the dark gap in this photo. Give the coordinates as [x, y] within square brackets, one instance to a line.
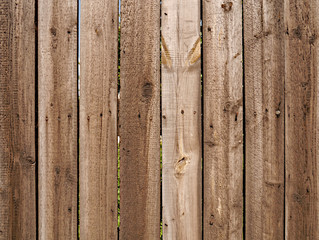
[244, 127]
[118, 104]
[284, 216]
[161, 148]
[202, 107]
[78, 117]
[36, 117]
[284, 198]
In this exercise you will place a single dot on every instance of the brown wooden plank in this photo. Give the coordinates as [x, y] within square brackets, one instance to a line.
[98, 119]
[57, 68]
[140, 120]
[264, 110]
[302, 121]
[17, 120]
[223, 119]
[181, 119]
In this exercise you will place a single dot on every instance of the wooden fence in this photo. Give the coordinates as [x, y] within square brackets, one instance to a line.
[239, 146]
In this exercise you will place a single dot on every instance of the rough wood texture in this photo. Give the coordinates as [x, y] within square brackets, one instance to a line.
[57, 49]
[17, 126]
[98, 119]
[302, 119]
[181, 119]
[223, 120]
[140, 120]
[264, 103]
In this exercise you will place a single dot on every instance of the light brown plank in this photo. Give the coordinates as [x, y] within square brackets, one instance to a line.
[264, 103]
[302, 119]
[223, 119]
[140, 120]
[57, 68]
[181, 119]
[98, 119]
[17, 120]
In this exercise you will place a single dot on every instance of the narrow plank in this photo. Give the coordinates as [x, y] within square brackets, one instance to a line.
[302, 119]
[17, 120]
[223, 119]
[140, 120]
[57, 109]
[98, 119]
[181, 119]
[264, 110]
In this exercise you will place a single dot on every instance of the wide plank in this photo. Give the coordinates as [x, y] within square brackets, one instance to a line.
[57, 113]
[98, 119]
[139, 120]
[264, 35]
[17, 120]
[223, 120]
[181, 119]
[302, 119]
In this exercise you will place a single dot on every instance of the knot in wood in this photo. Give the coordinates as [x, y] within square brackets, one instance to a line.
[227, 6]
[147, 90]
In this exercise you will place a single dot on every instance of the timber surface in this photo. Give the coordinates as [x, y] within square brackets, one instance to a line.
[302, 119]
[17, 120]
[57, 109]
[181, 120]
[223, 120]
[139, 120]
[264, 35]
[98, 120]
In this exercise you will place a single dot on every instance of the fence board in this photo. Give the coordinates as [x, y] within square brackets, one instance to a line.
[98, 120]
[140, 120]
[17, 120]
[57, 48]
[301, 20]
[181, 119]
[264, 94]
[278, 104]
[223, 120]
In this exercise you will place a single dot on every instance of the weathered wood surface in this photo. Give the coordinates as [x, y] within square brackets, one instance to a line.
[264, 32]
[17, 120]
[57, 68]
[181, 119]
[139, 120]
[223, 120]
[98, 119]
[302, 119]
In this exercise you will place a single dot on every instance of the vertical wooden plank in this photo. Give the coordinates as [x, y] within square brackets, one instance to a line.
[98, 119]
[223, 119]
[140, 120]
[264, 110]
[181, 119]
[17, 120]
[57, 50]
[301, 23]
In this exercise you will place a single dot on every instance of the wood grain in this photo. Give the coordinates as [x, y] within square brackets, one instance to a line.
[57, 68]
[98, 120]
[140, 120]
[302, 119]
[223, 120]
[264, 53]
[17, 120]
[181, 119]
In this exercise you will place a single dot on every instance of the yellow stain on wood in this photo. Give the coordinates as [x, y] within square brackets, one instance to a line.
[166, 57]
[194, 54]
